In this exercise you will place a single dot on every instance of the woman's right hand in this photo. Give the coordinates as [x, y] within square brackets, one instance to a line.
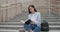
[32, 22]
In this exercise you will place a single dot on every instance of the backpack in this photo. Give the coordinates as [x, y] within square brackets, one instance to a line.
[44, 26]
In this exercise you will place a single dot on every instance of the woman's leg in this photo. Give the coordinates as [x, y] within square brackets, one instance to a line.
[37, 29]
[27, 27]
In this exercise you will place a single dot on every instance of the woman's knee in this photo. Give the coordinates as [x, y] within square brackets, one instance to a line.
[37, 29]
[27, 27]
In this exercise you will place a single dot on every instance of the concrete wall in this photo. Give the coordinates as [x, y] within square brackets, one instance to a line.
[11, 8]
[41, 5]
[55, 6]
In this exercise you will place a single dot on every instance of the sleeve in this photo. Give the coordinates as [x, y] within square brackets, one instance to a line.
[39, 17]
[28, 16]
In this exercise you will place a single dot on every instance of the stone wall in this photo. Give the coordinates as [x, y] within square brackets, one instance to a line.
[11, 8]
[41, 5]
[55, 6]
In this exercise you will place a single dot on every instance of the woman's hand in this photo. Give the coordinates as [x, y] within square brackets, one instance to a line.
[32, 22]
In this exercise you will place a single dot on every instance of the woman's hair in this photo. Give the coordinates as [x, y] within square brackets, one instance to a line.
[32, 7]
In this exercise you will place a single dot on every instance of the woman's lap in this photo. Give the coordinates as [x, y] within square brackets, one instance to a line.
[37, 29]
[28, 27]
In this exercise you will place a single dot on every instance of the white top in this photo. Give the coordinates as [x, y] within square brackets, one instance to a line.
[36, 17]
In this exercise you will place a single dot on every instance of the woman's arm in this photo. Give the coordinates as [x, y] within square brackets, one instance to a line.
[32, 20]
[39, 17]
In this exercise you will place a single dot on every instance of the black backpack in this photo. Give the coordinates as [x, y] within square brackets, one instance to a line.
[44, 26]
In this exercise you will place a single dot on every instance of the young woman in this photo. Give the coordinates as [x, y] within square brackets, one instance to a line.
[35, 17]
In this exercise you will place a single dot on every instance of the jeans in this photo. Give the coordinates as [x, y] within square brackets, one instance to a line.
[28, 28]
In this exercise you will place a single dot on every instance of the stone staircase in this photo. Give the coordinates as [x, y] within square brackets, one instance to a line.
[54, 24]
[15, 24]
[16, 20]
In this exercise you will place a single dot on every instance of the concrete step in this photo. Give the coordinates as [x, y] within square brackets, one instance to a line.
[52, 20]
[54, 30]
[8, 30]
[12, 27]
[54, 27]
[22, 27]
[12, 23]
[54, 23]
[51, 31]
[20, 23]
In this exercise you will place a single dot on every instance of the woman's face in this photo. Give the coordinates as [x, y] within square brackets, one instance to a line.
[31, 9]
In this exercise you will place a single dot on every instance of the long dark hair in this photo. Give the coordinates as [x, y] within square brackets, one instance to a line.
[32, 7]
